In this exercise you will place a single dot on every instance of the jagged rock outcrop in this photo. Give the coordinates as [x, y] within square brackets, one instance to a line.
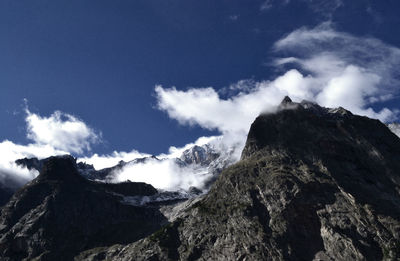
[60, 213]
[30, 163]
[313, 184]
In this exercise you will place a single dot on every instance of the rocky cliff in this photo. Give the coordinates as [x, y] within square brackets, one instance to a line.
[60, 213]
[313, 184]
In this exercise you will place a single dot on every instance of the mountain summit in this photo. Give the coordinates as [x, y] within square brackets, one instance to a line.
[313, 184]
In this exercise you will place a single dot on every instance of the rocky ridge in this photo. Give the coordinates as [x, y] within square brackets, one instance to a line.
[312, 184]
[60, 213]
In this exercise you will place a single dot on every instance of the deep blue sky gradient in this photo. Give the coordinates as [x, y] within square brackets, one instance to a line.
[100, 60]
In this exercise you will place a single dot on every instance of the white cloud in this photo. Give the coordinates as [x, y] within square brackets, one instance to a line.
[204, 107]
[109, 160]
[323, 45]
[333, 69]
[61, 131]
[163, 174]
[268, 4]
[12, 174]
[58, 134]
[176, 152]
[349, 71]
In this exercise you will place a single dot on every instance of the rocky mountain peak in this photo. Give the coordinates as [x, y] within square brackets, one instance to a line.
[302, 126]
[313, 184]
[60, 168]
[30, 163]
[286, 100]
[202, 155]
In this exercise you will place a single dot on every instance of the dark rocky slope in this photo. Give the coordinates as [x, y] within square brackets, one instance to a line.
[312, 184]
[5, 194]
[8, 186]
[60, 213]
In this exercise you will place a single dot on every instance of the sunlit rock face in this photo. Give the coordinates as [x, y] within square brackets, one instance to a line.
[313, 184]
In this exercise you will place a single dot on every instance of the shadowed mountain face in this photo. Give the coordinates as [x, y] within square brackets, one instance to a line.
[313, 184]
[5, 194]
[60, 213]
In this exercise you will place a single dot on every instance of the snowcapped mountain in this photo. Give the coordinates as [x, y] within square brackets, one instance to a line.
[202, 155]
[201, 164]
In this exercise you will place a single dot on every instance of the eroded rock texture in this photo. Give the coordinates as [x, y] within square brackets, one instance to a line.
[60, 213]
[312, 184]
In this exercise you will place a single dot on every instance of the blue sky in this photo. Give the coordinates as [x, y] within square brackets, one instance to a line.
[100, 62]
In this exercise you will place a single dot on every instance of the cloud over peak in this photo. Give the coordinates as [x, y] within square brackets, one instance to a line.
[328, 67]
[348, 71]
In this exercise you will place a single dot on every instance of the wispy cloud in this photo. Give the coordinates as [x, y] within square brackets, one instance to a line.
[234, 17]
[268, 4]
[349, 71]
[336, 69]
[324, 9]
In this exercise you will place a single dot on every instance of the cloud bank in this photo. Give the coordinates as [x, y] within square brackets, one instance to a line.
[331, 68]
[58, 134]
[109, 160]
[163, 174]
